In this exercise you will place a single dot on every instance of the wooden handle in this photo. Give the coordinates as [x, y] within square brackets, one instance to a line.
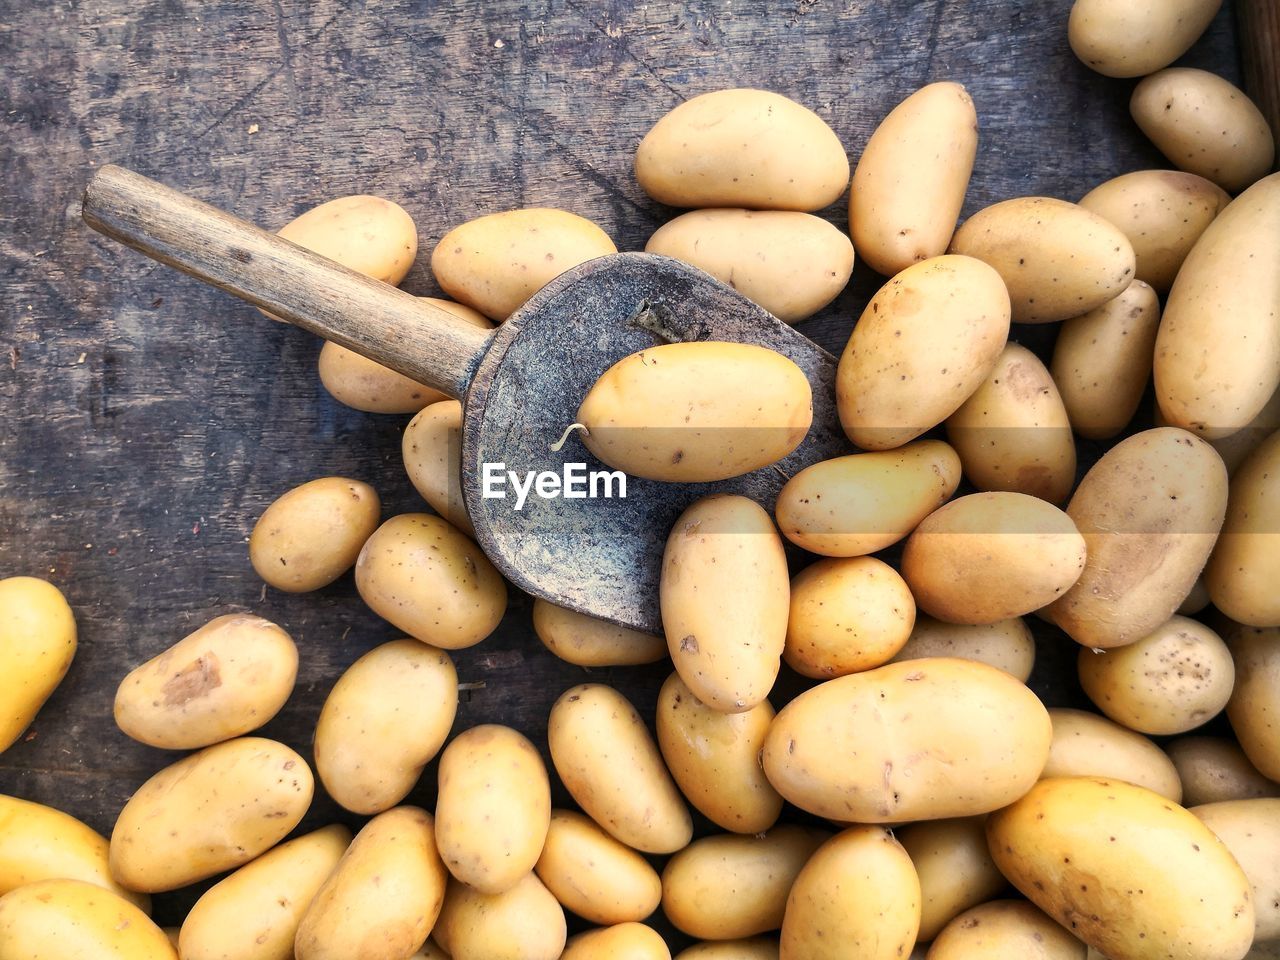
[370, 317]
[1260, 46]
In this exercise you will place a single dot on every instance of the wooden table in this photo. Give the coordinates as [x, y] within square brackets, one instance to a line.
[146, 420]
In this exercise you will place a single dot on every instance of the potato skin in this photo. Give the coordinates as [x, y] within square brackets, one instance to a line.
[587, 642]
[1087, 745]
[595, 876]
[74, 920]
[1244, 570]
[1215, 769]
[37, 645]
[754, 948]
[432, 452]
[370, 235]
[312, 534]
[1005, 930]
[1251, 831]
[1255, 700]
[1135, 39]
[955, 869]
[1006, 644]
[623, 941]
[525, 923]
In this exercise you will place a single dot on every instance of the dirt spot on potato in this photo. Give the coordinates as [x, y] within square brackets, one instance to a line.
[196, 680]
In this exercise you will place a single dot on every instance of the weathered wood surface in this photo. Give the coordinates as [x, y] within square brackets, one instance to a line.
[146, 420]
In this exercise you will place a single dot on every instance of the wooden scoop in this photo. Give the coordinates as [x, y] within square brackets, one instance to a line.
[520, 384]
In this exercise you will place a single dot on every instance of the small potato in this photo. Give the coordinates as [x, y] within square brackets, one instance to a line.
[1005, 930]
[742, 148]
[1006, 644]
[992, 556]
[1251, 831]
[1243, 575]
[1172, 680]
[1204, 125]
[792, 264]
[1057, 259]
[74, 920]
[497, 262]
[858, 896]
[1134, 39]
[595, 876]
[755, 948]
[625, 941]
[587, 642]
[382, 899]
[697, 412]
[493, 807]
[731, 886]
[910, 182]
[612, 768]
[431, 581]
[37, 645]
[1255, 701]
[714, 757]
[954, 866]
[925, 342]
[1087, 745]
[312, 534]
[227, 678]
[525, 923]
[847, 615]
[209, 812]
[432, 453]
[256, 911]
[366, 234]
[384, 720]
[1102, 362]
[1214, 769]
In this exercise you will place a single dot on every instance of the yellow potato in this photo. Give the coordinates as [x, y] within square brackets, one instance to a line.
[1251, 831]
[434, 583]
[587, 642]
[755, 948]
[714, 757]
[1057, 259]
[910, 181]
[313, 533]
[697, 412]
[432, 453]
[211, 811]
[37, 644]
[1214, 769]
[858, 896]
[1102, 362]
[625, 941]
[594, 875]
[1006, 644]
[992, 556]
[382, 899]
[1255, 701]
[726, 643]
[256, 911]
[525, 923]
[1005, 930]
[366, 234]
[612, 768]
[792, 264]
[954, 866]
[493, 807]
[1125, 870]
[225, 679]
[74, 920]
[1136, 38]
[924, 343]
[921, 740]
[1243, 575]
[1149, 510]
[497, 262]
[1087, 745]
[1217, 362]
[742, 148]
[384, 720]
[848, 614]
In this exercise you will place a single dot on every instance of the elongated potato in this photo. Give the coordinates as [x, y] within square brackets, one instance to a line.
[955, 869]
[432, 452]
[1243, 575]
[624, 941]
[587, 642]
[1255, 701]
[1087, 745]
[312, 534]
[1251, 831]
[525, 923]
[1134, 39]
[1006, 644]
[75, 920]
[37, 645]
[595, 876]
[1214, 769]
[754, 948]
[369, 235]
[1005, 930]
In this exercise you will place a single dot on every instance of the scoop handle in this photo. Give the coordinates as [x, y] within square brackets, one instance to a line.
[1259, 23]
[368, 316]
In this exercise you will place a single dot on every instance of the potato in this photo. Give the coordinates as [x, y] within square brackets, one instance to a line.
[1005, 930]
[1087, 745]
[256, 911]
[858, 896]
[1013, 433]
[432, 453]
[312, 534]
[432, 582]
[625, 941]
[1196, 600]
[1251, 831]
[611, 767]
[1102, 362]
[37, 644]
[1006, 644]
[1134, 39]
[1217, 362]
[1057, 259]
[1214, 769]
[1239, 446]
[848, 614]
[697, 412]
[742, 148]
[792, 264]
[992, 556]
[1149, 510]
[755, 948]
[74, 920]
[1204, 125]
[714, 757]
[1125, 870]
[966, 739]
[855, 505]
[366, 234]
[1173, 680]
[587, 642]
[595, 876]
[1255, 700]
[910, 181]
[954, 866]
[497, 262]
[384, 720]
[729, 886]
[525, 923]
[382, 899]
[430, 951]
[493, 807]
[211, 811]
[1243, 574]
[925, 342]
[228, 677]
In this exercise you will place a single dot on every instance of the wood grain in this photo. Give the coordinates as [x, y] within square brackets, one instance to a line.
[1260, 51]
